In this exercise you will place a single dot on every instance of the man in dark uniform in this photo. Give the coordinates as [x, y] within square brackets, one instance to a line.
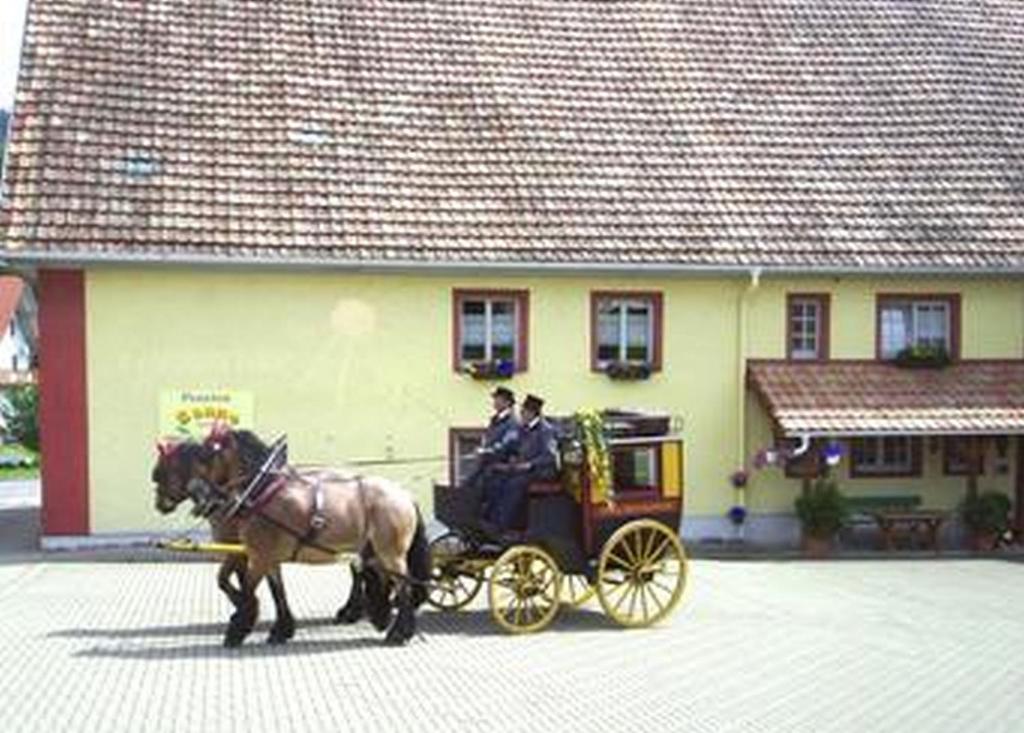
[536, 460]
[499, 445]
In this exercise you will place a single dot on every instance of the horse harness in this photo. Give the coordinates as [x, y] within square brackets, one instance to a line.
[261, 489]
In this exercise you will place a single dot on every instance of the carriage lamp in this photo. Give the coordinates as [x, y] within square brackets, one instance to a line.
[833, 452]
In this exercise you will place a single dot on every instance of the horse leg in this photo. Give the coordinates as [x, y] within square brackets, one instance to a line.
[404, 627]
[284, 625]
[228, 567]
[244, 618]
[353, 609]
[378, 597]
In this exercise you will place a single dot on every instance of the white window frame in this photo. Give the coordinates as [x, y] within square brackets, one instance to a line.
[806, 354]
[915, 306]
[624, 304]
[879, 465]
[489, 301]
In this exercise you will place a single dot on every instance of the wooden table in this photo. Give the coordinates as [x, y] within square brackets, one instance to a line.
[913, 520]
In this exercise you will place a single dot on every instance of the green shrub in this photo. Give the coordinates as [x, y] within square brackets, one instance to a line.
[987, 512]
[20, 408]
[823, 510]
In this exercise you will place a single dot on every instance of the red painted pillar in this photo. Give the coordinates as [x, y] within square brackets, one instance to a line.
[63, 418]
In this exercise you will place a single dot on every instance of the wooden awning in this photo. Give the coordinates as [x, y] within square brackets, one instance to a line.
[856, 398]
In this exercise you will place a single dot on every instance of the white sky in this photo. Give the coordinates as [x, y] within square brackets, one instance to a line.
[12, 18]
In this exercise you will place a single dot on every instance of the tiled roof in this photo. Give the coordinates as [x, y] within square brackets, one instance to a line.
[824, 134]
[859, 397]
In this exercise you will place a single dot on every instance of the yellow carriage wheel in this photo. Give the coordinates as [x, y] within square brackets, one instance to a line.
[524, 589]
[641, 573]
[455, 578]
[576, 590]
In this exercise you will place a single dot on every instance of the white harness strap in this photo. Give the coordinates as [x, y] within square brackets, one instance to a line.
[318, 521]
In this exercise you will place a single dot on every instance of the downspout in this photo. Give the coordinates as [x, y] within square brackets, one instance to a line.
[741, 363]
[741, 380]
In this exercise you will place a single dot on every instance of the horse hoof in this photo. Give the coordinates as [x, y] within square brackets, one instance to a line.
[281, 635]
[233, 641]
[348, 615]
[381, 621]
[395, 638]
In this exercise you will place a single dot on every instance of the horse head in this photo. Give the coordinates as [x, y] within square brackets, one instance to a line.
[175, 468]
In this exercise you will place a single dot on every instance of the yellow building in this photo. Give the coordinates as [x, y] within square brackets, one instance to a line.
[325, 249]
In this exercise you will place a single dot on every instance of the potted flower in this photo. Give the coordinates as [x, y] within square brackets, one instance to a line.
[737, 515]
[986, 516]
[822, 512]
[491, 369]
[628, 370]
[923, 356]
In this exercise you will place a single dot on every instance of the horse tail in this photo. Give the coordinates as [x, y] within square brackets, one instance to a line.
[418, 562]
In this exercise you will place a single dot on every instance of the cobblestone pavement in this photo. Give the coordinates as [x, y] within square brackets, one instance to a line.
[756, 646]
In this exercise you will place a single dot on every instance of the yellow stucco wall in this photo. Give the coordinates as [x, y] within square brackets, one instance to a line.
[359, 365]
[992, 314]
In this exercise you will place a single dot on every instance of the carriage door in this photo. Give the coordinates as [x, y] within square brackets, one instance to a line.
[1018, 503]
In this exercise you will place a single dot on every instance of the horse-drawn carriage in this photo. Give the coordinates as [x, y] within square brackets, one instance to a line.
[608, 526]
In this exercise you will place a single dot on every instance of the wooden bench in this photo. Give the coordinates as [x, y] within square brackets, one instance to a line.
[864, 508]
[544, 488]
[929, 521]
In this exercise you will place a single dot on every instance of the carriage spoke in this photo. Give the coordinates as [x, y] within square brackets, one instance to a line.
[618, 559]
[661, 548]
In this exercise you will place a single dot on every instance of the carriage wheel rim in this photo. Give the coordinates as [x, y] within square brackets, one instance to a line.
[576, 590]
[524, 589]
[641, 573]
[451, 587]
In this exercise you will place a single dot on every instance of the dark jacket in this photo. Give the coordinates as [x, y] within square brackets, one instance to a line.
[538, 448]
[502, 438]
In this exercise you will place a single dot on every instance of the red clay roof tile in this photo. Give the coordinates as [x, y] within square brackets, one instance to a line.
[839, 133]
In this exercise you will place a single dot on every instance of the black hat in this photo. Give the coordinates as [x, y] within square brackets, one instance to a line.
[533, 403]
[506, 393]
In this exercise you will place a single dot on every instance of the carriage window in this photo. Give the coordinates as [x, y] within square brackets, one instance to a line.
[915, 322]
[635, 468]
[490, 327]
[808, 327]
[626, 328]
[462, 453]
[893, 455]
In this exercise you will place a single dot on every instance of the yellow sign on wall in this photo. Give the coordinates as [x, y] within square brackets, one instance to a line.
[191, 413]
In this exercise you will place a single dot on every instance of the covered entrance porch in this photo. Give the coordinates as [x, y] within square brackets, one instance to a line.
[906, 446]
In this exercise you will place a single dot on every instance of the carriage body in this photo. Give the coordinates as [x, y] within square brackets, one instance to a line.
[577, 521]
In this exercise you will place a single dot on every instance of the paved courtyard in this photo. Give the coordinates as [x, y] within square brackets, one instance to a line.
[756, 646]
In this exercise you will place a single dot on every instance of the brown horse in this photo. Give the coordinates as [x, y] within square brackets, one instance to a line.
[307, 515]
[222, 530]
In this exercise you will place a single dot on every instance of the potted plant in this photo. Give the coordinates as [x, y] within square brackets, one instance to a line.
[986, 516]
[922, 356]
[492, 369]
[628, 370]
[822, 512]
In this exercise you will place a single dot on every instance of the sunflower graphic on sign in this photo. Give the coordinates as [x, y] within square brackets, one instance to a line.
[192, 413]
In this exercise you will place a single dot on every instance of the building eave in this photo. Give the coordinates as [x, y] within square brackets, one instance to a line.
[19, 260]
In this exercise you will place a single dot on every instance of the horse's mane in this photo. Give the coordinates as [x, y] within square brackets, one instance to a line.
[252, 452]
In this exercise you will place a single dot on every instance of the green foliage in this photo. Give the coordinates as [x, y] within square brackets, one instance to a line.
[599, 461]
[823, 510]
[987, 512]
[20, 408]
[923, 356]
